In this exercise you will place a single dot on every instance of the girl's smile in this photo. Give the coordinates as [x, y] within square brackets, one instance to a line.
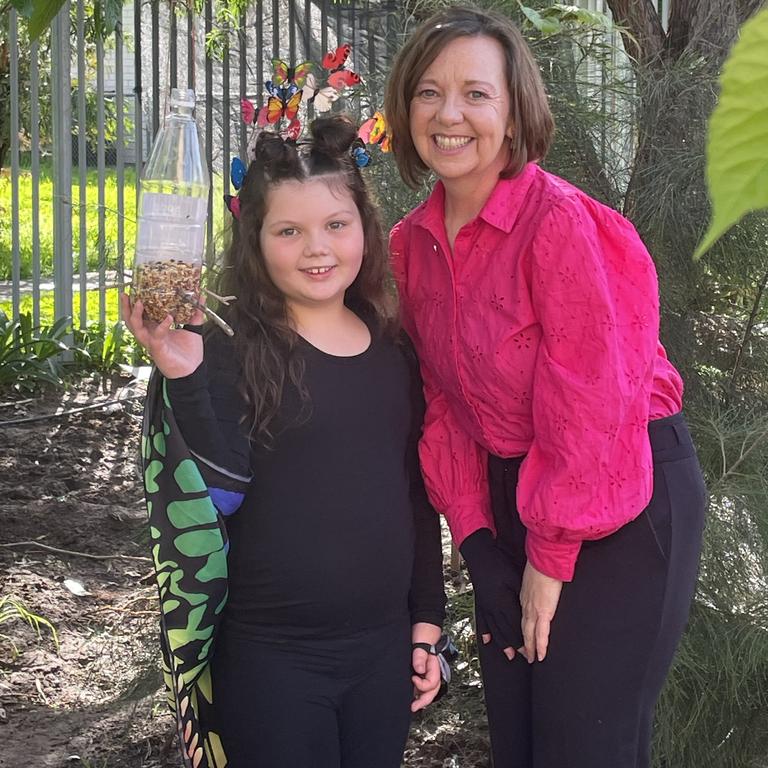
[313, 251]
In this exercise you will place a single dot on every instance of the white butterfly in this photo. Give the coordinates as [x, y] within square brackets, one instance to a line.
[321, 98]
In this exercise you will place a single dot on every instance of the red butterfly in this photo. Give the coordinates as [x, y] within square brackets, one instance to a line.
[292, 131]
[334, 61]
[248, 111]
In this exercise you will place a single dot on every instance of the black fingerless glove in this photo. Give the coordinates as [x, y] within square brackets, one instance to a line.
[496, 583]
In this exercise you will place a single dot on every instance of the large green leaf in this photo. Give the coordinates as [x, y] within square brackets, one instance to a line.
[43, 13]
[24, 7]
[737, 147]
[543, 25]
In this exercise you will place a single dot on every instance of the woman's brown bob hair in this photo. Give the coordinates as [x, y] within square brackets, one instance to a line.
[532, 121]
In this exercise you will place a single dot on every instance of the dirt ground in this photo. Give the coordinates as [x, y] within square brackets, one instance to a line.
[71, 483]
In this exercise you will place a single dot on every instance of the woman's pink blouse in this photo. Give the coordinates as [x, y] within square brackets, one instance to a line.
[538, 336]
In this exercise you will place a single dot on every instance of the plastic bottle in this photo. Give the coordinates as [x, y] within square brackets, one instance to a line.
[173, 208]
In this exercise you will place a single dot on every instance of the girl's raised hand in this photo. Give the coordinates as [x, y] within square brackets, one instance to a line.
[175, 352]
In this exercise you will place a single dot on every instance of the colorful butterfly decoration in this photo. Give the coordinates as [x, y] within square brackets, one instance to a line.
[284, 75]
[338, 77]
[321, 98]
[237, 173]
[359, 153]
[374, 131]
[279, 105]
[288, 88]
[247, 111]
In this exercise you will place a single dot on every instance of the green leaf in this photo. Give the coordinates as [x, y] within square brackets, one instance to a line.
[24, 7]
[545, 25]
[113, 10]
[737, 147]
[43, 13]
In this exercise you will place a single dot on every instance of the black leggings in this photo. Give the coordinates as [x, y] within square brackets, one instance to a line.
[341, 703]
[590, 703]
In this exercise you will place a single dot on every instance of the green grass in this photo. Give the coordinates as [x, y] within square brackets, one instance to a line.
[46, 220]
[47, 316]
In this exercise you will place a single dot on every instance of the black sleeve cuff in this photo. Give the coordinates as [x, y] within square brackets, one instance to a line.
[435, 616]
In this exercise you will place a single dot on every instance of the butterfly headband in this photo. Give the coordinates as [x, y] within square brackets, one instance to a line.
[289, 89]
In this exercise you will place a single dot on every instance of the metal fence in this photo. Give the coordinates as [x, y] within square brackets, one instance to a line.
[82, 147]
[107, 101]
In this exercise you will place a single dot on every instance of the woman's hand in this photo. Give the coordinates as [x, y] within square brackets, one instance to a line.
[426, 680]
[175, 352]
[496, 584]
[539, 596]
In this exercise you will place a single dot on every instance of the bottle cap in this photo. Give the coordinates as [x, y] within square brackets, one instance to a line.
[183, 97]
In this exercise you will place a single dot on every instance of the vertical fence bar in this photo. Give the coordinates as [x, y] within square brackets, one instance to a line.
[120, 153]
[82, 164]
[155, 67]
[173, 44]
[371, 67]
[191, 47]
[138, 114]
[259, 48]
[100, 167]
[62, 162]
[291, 33]
[275, 28]
[13, 44]
[225, 109]
[323, 27]
[34, 118]
[243, 85]
[209, 131]
[308, 30]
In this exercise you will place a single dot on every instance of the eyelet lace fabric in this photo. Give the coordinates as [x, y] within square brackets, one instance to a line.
[538, 336]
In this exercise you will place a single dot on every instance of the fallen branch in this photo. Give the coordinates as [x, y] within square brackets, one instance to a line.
[58, 551]
[56, 414]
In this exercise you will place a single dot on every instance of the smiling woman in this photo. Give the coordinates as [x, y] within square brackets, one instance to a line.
[460, 115]
[553, 440]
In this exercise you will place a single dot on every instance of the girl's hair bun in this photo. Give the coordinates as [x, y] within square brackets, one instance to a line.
[333, 135]
[270, 150]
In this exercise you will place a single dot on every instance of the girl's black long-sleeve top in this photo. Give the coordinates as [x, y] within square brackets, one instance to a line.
[335, 534]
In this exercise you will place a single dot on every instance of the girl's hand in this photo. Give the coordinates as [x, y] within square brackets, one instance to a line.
[426, 680]
[539, 596]
[175, 352]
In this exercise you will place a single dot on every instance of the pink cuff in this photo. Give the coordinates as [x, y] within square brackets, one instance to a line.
[555, 559]
[468, 514]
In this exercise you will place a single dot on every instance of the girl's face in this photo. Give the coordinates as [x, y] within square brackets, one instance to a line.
[459, 113]
[312, 240]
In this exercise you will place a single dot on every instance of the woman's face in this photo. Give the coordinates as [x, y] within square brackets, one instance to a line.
[459, 113]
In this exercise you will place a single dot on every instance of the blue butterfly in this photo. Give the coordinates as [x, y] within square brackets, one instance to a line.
[284, 94]
[237, 174]
[360, 154]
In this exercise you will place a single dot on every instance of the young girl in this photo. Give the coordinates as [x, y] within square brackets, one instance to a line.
[306, 422]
